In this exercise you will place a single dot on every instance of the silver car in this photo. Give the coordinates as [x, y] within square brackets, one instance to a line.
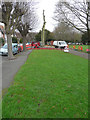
[4, 49]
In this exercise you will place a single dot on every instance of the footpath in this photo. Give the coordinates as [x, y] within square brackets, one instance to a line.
[81, 54]
[11, 67]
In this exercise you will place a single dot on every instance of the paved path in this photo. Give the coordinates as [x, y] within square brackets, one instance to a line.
[81, 54]
[10, 68]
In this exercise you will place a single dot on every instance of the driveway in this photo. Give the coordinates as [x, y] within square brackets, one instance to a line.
[10, 68]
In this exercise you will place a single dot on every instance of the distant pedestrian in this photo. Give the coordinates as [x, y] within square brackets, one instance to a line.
[67, 46]
[81, 48]
[74, 47]
[32, 44]
[78, 47]
[38, 43]
[36, 46]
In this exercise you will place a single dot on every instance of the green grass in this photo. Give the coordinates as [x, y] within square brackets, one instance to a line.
[51, 84]
[0, 109]
[84, 47]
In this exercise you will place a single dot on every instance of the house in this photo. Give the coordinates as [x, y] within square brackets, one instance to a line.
[2, 30]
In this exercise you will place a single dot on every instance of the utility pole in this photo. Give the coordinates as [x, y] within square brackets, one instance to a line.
[43, 30]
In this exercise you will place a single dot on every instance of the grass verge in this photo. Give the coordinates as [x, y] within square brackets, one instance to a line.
[84, 47]
[0, 109]
[51, 84]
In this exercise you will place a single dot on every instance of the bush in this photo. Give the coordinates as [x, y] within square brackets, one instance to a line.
[85, 38]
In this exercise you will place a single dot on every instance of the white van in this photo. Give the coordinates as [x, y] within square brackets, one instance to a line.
[60, 44]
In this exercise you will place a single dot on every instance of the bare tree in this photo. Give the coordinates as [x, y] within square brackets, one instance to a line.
[31, 36]
[27, 22]
[74, 13]
[10, 17]
[65, 32]
[7, 8]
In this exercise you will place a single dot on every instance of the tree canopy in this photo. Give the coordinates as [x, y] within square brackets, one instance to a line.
[65, 32]
[18, 15]
[48, 36]
[74, 13]
[85, 38]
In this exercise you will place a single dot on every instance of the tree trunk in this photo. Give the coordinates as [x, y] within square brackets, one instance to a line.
[88, 23]
[24, 43]
[9, 42]
[43, 30]
[43, 37]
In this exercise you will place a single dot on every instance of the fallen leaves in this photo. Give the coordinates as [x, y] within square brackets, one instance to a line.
[85, 113]
[19, 101]
[52, 107]
[64, 108]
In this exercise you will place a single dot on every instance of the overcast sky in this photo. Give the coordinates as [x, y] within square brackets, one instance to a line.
[49, 7]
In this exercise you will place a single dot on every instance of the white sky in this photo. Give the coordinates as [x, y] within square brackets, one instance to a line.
[49, 7]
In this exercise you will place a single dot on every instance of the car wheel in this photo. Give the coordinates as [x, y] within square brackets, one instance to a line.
[56, 46]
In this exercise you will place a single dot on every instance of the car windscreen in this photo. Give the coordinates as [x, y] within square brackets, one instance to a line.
[14, 46]
[5, 47]
[63, 42]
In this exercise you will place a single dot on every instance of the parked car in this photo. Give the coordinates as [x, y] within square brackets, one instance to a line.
[60, 44]
[4, 49]
[66, 49]
[28, 43]
[69, 43]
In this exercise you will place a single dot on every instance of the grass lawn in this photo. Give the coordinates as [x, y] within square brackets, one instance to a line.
[0, 109]
[84, 47]
[51, 84]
